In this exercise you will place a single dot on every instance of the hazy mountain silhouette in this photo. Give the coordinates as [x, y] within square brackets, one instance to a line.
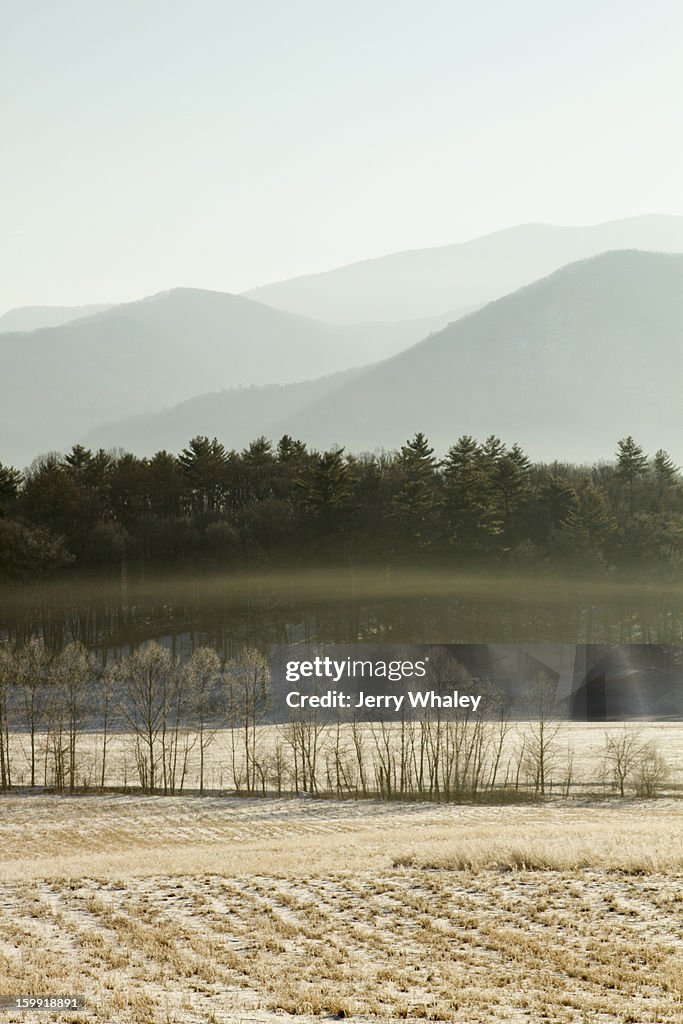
[422, 282]
[566, 366]
[237, 416]
[30, 318]
[59, 382]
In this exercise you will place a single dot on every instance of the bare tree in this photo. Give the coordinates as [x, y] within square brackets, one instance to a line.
[248, 687]
[500, 730]
[148, 687]
[203, 671]
[385, 758]
[32, 664]
[338, 760]
[303, 734]
[358, 741]
[72, 673]
[278, 764]
[539, 696]
[7, 678]
[177, 738]
[109, 684]
[652, 771]
[622, 753]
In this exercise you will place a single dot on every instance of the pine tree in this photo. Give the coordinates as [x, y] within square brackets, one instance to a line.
[471, 519]
[510, 481]
[204, 464]
[10, 483]
[325, 489]
[631, 465]
[509, 474]
[167, 483]
[589, 526]
[289, 450]
[555, 500]
[415, 504]
[665, 473]
[257, 465]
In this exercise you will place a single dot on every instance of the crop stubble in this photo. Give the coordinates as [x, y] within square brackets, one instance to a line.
[209, 909]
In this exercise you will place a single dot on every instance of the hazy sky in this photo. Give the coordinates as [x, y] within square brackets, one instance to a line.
[223, 144]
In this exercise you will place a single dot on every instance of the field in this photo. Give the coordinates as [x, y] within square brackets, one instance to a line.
[192, 909]
[583, 772]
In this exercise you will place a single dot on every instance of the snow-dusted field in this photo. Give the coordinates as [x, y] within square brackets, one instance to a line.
[584, 741]
[212, 909]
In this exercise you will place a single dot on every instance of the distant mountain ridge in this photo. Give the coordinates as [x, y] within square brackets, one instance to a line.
[566, 366]
[138, 357]
[31, 318]
[238, 416]
[141, 357]
[422, 282]
[441, 282]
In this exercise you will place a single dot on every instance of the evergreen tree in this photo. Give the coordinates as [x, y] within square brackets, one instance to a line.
[555, 500]
[631, 466]
[493, 449]
[129, 489]
[325, 490]
[10, 483]
[416, 504]
[166, 485]
[204, 465]
[257, 464]
[510, 483]
[665, 473]
[470, 514]
[589, 526]
[289, 450]
[50, 496]
[91, 475]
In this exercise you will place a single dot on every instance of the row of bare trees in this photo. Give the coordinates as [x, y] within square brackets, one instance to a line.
[49, 696]
[451, 759]
[167, 709]
[169, 714]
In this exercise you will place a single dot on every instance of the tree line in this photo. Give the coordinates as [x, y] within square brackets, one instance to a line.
[152, 722]
[483, 503]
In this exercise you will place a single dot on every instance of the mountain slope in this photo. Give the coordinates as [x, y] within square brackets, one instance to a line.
[59, 382]
[30, 318]
[565, 366]
[237, 417]
[423, 282]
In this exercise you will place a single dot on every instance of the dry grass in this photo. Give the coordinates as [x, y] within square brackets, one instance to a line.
[640, 858]
[211, 910]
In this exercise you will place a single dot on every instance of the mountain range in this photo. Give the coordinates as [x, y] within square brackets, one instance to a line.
[414, 341]
[59, 382]
[422, 282]
[565, 366]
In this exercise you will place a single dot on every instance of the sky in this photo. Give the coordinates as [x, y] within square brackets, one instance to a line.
[149, 144]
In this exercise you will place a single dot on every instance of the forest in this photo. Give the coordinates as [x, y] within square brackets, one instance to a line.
[483, 505]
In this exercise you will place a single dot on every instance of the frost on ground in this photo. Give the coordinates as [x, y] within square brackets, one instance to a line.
[207, 909]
